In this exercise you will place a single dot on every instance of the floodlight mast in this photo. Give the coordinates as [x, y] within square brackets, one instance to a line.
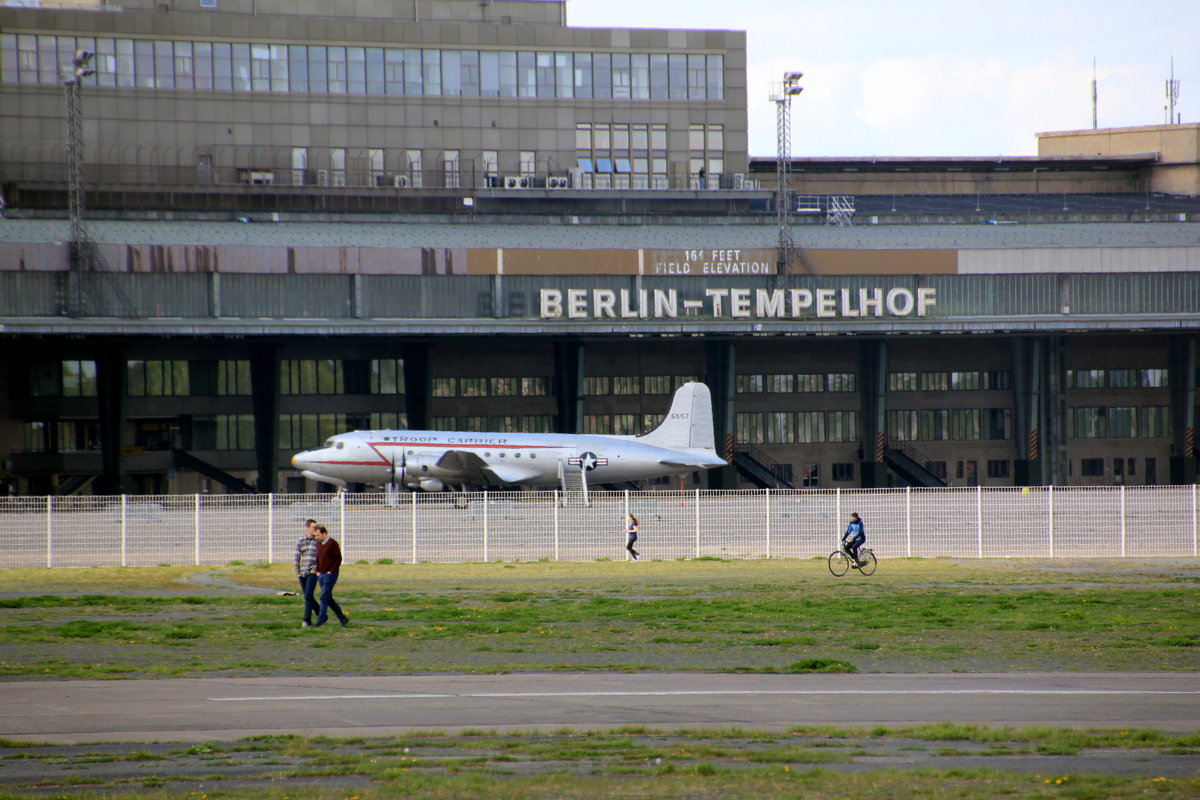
[80, 250]
[782, 94]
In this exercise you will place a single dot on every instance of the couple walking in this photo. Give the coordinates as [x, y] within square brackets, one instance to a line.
[318, 559]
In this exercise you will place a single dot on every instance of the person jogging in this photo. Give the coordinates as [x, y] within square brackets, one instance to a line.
[631, 532]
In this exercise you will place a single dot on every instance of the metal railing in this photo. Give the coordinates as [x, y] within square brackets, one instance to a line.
[1037, 522]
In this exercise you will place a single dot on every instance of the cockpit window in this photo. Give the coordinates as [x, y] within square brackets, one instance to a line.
[340, 445]
[329, 443]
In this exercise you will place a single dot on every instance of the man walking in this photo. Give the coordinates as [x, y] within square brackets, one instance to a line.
[329, 561]
[306, 569]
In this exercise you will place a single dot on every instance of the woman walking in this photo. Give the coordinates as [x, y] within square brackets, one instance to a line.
[631, 530]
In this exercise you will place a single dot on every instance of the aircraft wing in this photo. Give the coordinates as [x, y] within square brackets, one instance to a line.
[473, 468]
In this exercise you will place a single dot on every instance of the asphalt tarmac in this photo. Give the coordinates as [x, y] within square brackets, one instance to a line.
[215, 709]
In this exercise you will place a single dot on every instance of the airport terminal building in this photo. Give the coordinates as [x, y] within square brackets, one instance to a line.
[306, 218]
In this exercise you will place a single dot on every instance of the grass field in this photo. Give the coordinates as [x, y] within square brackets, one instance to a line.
[912, 616]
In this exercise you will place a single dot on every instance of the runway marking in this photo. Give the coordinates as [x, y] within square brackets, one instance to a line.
[703, 693]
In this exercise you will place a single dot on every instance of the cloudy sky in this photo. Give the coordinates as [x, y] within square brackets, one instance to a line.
[942, 77]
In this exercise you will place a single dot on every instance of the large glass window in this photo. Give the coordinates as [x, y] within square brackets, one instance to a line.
[810, 426]
[1155, 421]
[312, 376]
[780, 428]
[842, 426]
[748, 427]
[387, 376]
[158, 378]
[902, 425]
[964, 424]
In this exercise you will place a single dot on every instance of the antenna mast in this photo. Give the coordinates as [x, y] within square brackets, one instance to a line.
[1094, 126]
[1172, 95]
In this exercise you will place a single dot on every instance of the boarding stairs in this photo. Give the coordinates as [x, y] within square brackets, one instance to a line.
[912, 467]
[760, 469]
[574, 485]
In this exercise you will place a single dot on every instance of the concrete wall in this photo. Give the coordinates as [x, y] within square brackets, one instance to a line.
[1178, 146]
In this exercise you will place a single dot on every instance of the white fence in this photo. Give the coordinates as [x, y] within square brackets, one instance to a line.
[1041, 522]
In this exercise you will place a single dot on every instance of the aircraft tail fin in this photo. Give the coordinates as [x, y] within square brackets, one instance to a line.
[689, 423]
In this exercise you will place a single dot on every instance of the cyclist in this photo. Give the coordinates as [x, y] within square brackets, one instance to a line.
[855, 535]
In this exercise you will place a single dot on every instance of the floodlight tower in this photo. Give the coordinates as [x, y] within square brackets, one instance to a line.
[79, 240]
[782, 94]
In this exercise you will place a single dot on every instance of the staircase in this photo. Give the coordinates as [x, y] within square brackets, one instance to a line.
[574, 486]
[760, 469]
[73, 484]
[185, 460]
[911, 467]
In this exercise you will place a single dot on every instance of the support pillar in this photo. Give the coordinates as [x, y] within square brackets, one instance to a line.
[569, 358]
[720, 371]
[872, 397]
[1029, 411]
[1182, 379]
[418, 384]
[111, 379]
[264, 387]
[1054, 439]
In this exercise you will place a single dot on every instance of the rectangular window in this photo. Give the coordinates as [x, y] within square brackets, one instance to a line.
[1154, 378]
[504, 387]
[597, 385]
[902, 425]
[472, 387]
[964, 381]
[964, 424]
[158, 378]
[1155, 421]
[657, 384]
[997, 423]
[810, 476]
[780, 428]
[716, 77]
[233, 377]
[444, 387]
[810, 427]
[1086, 379]
[997, 379]
[749, 384]
[781, 384]
[748, 428]
[902, 381]
[626, 384]
[843, 472]
[997, 468]
[1091, 467]
[935, 381]
[535, 387]
[597, 423]
[810, 382]
[1086, 423]
[1122, 422]
[843, 382]
[387, 376]
[535, 423]
[933, 425]
[1122, 378]
[78, 379]
[526, 74]
[842, 426]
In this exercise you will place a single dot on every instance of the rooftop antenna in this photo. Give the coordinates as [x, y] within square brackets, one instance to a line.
[1172, 95]
[1094, 126]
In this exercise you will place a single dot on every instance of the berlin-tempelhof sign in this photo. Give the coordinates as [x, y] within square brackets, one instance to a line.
[733, 303]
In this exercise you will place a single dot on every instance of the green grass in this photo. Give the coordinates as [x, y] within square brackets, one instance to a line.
[727, 764]
[750, 616]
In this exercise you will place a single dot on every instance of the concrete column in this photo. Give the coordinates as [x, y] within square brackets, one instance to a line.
[1054, 425]
[1182, 379]
[418, 384]
[111, 380]
[569, 360]
[264, 387]
[1029, 410]
[872, 397]
[720, 375]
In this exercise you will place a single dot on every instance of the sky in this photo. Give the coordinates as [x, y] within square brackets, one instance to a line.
[941, 78]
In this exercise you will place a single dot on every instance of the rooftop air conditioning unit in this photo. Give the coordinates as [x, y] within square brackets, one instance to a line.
[400, 181]
[516, 182]
[739, 180]
[576, 177]
[558, 182]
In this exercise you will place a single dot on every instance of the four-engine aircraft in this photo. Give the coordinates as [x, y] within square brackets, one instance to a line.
[437, 460]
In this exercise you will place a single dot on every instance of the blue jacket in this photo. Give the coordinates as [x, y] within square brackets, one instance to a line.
[856, 532]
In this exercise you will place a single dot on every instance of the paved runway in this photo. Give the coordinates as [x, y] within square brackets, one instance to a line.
[223, 709]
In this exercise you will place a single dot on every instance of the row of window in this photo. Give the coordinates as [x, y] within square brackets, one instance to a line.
[786, 427]
[786, 383]
[524, 423]
[394, 71]
[1118, 422]
[599, 385]
[1116, 378]
[985, 380]
[491, 387]
[956, 424]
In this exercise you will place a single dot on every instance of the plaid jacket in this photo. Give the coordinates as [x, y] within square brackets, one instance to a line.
[306, 554]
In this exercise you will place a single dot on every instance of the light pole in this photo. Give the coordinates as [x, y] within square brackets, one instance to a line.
[80, 250]
[782, 94]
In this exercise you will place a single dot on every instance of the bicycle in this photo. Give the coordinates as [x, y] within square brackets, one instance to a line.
[840, 561]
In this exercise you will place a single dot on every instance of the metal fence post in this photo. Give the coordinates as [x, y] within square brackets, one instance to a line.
[837, 521]
[196, 522]
[49, 530]
[342, 520]
[768, 497]
[697, 523]
[270, 527]
[908, 522]
[1050, 521]
[1122, 495]
[1194, 520]
[124, 529]
[979, 519]
[556, 524]
[485, 525]
[413, 495]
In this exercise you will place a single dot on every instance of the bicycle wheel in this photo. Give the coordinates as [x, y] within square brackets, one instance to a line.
[839, 564]
[868, 562]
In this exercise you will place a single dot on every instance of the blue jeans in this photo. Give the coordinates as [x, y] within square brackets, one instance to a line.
[308, 585]
[326, 582]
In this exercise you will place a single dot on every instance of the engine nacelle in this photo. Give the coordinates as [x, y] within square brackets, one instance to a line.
[431, 485]
[413, 473]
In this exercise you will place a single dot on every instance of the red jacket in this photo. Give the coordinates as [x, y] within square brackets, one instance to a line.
[329, 556]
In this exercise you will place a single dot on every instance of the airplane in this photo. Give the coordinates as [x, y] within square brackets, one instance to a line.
[433, 461]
